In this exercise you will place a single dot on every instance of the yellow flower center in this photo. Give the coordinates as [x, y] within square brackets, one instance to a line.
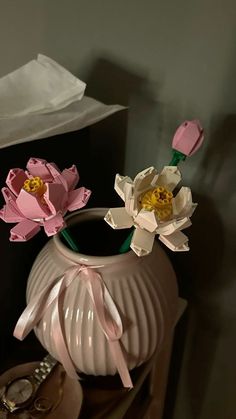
[35, 186]
[158, 200]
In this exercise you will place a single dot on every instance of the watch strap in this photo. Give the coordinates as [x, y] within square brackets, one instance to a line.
[44, 369]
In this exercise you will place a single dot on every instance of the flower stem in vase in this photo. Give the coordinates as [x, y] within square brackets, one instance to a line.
[126, 244]
[69, 239]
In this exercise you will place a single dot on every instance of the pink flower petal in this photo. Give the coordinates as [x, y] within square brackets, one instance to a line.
[54, 225]
[53, 169]
[10, 214]
[57, 175]
[78, 198]
[188, 137]
[15, 180]
[55, 197]
[71, 176]
[38, 167]
[32, 206]
[24, 231]
[8, 195]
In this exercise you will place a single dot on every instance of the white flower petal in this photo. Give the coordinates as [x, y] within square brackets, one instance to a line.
[118, 218]
[176, 225]
[143, 180]
[130, 203]
[142, 242]
[147, 220]
[120, 183]
[169, 177]
[177, 241]
[182, 203]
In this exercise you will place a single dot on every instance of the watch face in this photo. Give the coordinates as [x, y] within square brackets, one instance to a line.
[19, 391]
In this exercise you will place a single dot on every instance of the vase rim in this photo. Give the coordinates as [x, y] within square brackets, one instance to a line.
[94, 213]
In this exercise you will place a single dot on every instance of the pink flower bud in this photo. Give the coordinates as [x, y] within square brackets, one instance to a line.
[188, 137]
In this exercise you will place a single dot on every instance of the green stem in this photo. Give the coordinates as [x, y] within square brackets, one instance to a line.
[176, 158]
[70, 241]
[126, 245]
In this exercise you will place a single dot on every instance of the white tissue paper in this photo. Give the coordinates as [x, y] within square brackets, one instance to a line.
[39, 86]
[42, 99]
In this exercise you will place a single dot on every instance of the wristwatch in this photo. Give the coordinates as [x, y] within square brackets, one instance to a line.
[20, 392]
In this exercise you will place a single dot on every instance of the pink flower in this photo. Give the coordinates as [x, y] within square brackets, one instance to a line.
[188, 137]
[40, 196]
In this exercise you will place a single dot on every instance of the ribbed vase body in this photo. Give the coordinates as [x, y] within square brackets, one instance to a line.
[144, 291]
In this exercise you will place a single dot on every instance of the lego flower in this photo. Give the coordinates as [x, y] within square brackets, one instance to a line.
[152, 208]
[40, 196]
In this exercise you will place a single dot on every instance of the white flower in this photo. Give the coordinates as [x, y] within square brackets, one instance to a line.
[152, 209]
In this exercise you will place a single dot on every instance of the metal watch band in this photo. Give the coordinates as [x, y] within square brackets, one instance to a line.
[44, 369]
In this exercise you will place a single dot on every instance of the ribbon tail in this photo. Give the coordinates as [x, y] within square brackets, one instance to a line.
[110, 322]
[39, 304]
[59, 340]
[120, 363]
[31, 315]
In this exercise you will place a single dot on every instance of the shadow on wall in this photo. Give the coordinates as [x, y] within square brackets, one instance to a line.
[113, 83]
[218, 166]
[198, 274]
[110, 83]
[201, 271]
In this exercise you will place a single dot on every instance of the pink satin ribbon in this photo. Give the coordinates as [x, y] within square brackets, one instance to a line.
[105, 308]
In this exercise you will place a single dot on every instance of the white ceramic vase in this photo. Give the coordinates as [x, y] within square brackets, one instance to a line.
[143, 289]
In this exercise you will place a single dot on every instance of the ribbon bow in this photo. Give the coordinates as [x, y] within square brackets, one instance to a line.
[105, 308]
